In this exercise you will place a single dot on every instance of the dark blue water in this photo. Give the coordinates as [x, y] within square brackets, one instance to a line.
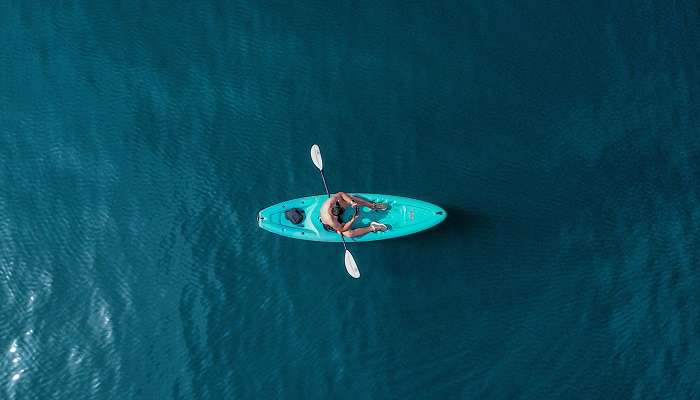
[139, 139]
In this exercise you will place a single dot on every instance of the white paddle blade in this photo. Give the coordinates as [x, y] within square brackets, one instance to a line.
[351, 265]
[316, 157]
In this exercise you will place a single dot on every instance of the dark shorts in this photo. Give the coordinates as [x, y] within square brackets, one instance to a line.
[328, 227]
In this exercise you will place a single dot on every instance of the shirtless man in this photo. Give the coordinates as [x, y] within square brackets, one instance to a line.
[332, 212]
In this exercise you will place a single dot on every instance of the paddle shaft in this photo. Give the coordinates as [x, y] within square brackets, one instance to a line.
[324, 183]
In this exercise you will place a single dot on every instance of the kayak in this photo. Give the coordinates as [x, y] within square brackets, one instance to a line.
[404, 216]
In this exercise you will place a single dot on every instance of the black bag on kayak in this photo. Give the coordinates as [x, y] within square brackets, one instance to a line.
[295, 215]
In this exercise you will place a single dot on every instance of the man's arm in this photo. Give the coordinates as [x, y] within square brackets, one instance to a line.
[346, 226]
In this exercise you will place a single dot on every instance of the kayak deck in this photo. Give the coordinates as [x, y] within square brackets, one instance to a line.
[404, 216]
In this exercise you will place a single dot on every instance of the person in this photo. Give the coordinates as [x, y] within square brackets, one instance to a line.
[332, 213]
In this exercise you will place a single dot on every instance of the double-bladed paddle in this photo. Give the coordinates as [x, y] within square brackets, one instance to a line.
[350, 264]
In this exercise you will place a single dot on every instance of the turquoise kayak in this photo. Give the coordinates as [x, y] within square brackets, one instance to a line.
[404, 216]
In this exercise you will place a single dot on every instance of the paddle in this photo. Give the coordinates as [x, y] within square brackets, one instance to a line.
[350, 264]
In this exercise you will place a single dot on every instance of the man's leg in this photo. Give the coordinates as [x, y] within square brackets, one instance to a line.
[357, 232]
[361, 201]
[345, 200]
[373, 206]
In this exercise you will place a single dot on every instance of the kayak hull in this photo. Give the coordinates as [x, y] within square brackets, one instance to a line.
[404, 216]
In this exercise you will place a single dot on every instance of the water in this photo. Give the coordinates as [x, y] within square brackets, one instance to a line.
[138, 141]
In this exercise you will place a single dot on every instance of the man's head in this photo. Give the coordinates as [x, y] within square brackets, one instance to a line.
[336, 210]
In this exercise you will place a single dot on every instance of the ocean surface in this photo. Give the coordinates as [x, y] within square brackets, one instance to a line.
[138, 140]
